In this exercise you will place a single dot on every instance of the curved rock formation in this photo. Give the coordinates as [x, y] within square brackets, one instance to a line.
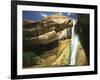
[47, 30]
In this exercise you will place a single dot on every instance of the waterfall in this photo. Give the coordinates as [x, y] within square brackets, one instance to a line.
[74, 44]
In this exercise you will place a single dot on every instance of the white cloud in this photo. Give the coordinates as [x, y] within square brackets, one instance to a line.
[69, 14]
[43, 15]
[60, 13]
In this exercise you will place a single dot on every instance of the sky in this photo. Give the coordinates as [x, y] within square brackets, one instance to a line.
[38, 15]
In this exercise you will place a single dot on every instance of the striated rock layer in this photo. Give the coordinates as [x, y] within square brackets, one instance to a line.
[50, 41]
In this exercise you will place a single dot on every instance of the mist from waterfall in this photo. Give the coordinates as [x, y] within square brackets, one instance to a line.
[74, 44]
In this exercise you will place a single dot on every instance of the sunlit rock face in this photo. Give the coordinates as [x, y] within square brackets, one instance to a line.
[49, 29]
[50, 41]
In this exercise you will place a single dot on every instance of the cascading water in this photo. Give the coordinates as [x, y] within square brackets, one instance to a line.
[74, 44]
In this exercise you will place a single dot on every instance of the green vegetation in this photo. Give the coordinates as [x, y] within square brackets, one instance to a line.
[29, 59]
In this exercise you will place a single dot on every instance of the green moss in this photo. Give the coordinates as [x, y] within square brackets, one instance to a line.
[29, 59]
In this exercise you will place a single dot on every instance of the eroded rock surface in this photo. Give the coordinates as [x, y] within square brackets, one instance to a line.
[50, 41]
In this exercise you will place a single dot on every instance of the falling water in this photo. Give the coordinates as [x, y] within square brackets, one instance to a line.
[74, 45]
